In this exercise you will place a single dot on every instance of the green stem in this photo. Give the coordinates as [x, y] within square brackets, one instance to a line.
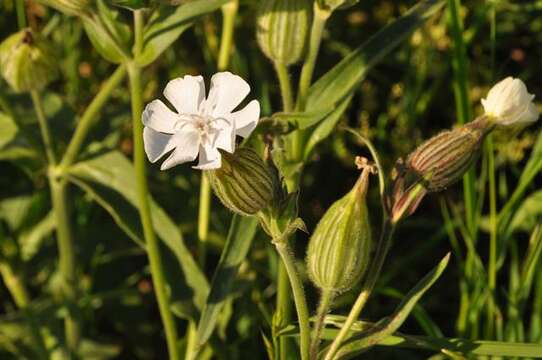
[229, 12]
[323, 309]
[21, 14]
[374, 271]
[285, 86]
[492, 262]
[66, 253]
[203, 217]
[153, 246]
[299, 296]
[44, 127]
[283, 306]
[317, 29]
[89, 116]
[153, 249]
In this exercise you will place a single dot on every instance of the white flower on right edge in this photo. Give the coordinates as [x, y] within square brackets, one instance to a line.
[509, 103]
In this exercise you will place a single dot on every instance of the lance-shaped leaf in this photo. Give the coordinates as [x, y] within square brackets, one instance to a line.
[389, 325]
[342, 79]
[240, 235]
[169, 23]
[109, 179]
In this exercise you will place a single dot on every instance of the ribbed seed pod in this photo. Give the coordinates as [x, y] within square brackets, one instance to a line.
[444, 159]
[282, 28]
[339, 249]
[27, 61]
[68, 7]
[244, 183]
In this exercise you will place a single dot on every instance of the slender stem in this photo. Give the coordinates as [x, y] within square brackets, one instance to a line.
[374, 271]
[153, 249]
[317, 29]
[492, 265]
[153, 246]
[44, 127]
[66, 253]
[285, 86]
[323, 309]
[283, 306]
[89, 116]
[203, 217]
[21, 13]
[299, 296]
[229, 12]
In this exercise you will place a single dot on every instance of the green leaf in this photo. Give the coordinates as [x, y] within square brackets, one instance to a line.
[462, 346]
[301, 120]
[9, 130]
[92, 350]
[109, 178]
[106, 34]
[240, 236]
[170, 22]
[31, 239]
[326, 126]
[343, 79]
[528, 214]
[389, 325]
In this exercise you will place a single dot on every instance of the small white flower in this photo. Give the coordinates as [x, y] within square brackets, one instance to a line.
[200, 125]
[509, 103]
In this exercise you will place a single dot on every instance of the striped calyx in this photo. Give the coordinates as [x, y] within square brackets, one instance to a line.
[68, 7]
[27, 61]
[282, 28]
[339, 249]
[243, 183]
[444, 159]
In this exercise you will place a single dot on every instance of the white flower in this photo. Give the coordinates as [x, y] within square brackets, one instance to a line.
[509, 103]
[200, 125]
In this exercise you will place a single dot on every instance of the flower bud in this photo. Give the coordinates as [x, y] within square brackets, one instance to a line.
[243, 183]
[27, 61]
[282, 28]
[68, 7]
[339, 249]
[509, 103]
[436, 164]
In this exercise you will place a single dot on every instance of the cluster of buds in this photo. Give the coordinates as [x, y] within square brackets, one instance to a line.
[27, 61]
[338, 252]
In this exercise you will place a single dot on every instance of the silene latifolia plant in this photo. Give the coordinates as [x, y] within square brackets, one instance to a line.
[253, 164]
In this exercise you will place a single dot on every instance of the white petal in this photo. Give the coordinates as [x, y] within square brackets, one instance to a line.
[186, 93]
[209, 158]
[186, 149]
[226, 135]
[227, 92]
[246, 119]
[158, 117]
[156, 143]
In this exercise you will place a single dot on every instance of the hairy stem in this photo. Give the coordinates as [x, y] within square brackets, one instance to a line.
[323, 308]
[153, 248]
[44, 127]
[285, 86]
[89, 116]
[374, 271]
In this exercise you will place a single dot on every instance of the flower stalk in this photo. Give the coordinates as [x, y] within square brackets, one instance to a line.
[326, 300]
[153, 250]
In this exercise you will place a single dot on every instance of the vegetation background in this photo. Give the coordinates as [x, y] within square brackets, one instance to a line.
[406, 98]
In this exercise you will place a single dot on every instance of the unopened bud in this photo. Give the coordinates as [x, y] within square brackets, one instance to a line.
[68, 7]
[339, 249]
[436, 164]
[27, 61]
[282, 28]
[243, 183]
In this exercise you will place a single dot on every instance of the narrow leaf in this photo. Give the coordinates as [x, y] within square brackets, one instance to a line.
[342, 79]
[241, 233]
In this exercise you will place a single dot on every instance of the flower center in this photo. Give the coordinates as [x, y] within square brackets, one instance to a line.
[207, 126]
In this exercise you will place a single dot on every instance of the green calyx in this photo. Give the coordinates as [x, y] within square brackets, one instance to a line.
[339, 249]
[244, 183]
[27, 61]
[282, 29]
